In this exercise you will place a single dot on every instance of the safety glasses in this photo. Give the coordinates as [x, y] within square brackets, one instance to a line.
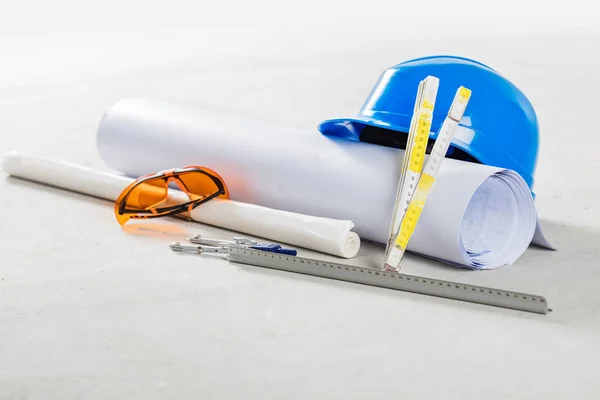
[149, 196]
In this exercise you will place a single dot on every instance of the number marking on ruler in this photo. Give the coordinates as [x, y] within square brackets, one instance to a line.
[392, 280]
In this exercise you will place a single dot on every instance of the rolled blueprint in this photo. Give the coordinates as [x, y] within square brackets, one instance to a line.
[477, 216]
[321, 234]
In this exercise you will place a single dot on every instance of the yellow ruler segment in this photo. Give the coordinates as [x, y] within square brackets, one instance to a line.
[417, 153]
[411, 135]
[413, 213]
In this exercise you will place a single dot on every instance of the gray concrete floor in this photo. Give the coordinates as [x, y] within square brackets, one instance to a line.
[88, 310]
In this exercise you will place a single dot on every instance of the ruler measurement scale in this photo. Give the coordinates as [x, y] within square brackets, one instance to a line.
[409, 144]
[392, 280]
[427, 178]
[402, 195]
[396, 215]
[414, 154]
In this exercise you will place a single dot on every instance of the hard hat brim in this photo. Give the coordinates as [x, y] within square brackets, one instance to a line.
[350, 128]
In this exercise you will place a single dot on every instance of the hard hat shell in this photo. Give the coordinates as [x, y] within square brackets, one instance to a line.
[499, 126]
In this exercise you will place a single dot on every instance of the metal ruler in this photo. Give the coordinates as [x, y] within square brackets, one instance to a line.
[391, 280]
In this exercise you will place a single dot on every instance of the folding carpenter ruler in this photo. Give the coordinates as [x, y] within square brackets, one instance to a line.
[411, 205]
[391, 280]
[414, 155]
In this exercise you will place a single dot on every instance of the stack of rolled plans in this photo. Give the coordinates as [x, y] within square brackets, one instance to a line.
[478, 216]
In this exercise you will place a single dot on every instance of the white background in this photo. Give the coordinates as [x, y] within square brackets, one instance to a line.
[88, 310]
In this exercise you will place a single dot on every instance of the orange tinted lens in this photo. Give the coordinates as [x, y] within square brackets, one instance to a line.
[144, 196]
[199, 185]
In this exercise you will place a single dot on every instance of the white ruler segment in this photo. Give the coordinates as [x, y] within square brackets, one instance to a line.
[391, 280]
[418, 196]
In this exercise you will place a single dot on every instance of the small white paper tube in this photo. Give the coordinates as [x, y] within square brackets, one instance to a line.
[326, 235]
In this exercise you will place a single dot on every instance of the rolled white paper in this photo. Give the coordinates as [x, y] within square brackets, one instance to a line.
[321, 234]
[476, 216]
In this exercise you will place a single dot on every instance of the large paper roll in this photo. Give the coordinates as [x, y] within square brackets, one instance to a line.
[476, 216]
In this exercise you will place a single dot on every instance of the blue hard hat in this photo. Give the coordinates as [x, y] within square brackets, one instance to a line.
[499, 126]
